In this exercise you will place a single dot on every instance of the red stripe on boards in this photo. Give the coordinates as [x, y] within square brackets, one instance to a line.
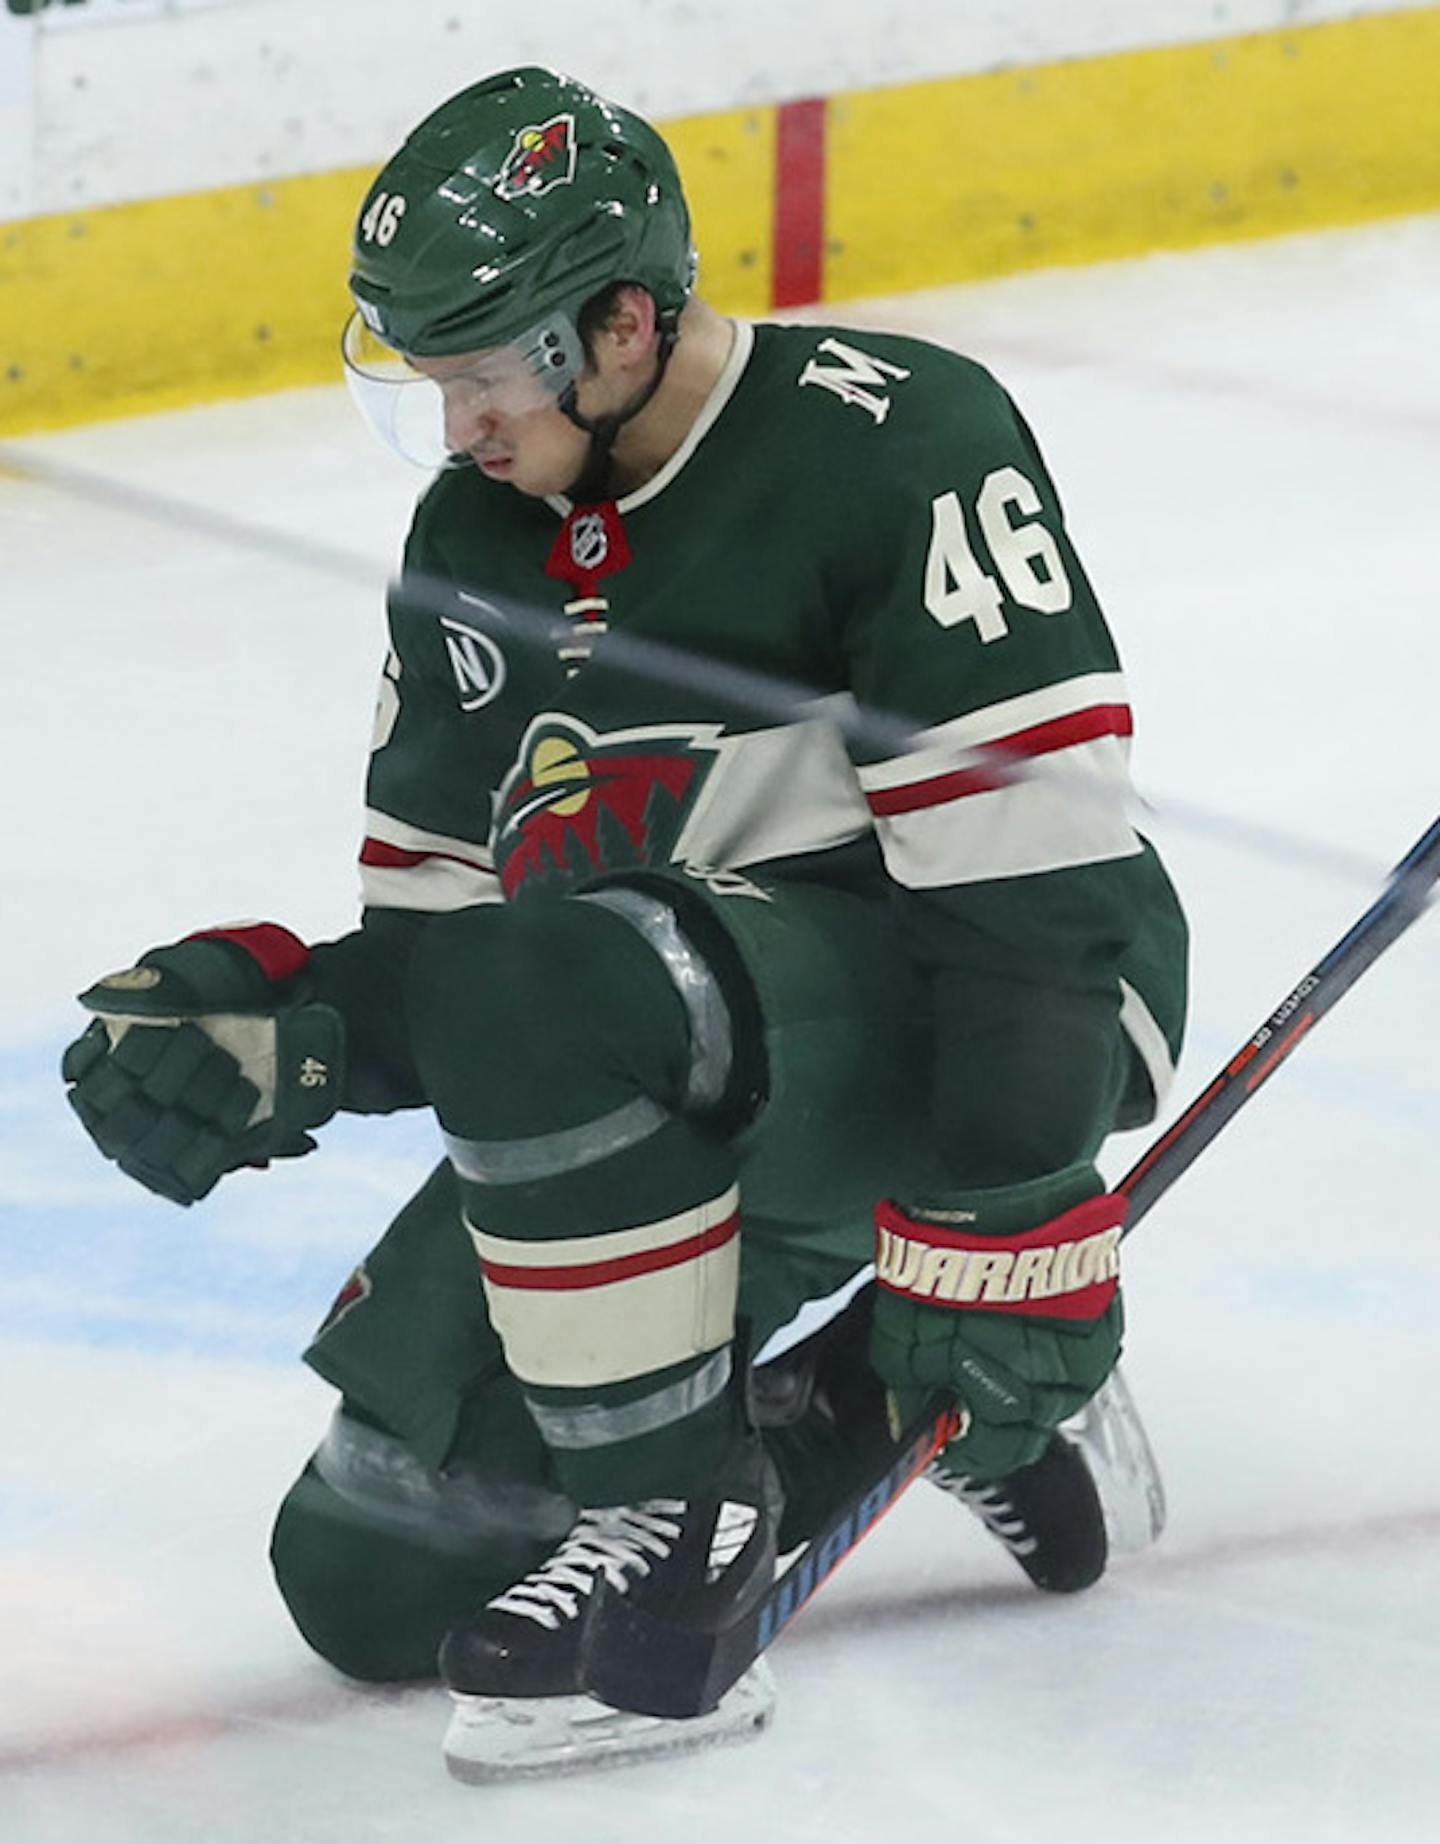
[1040, 739]
[622, 1268]
[798, 274]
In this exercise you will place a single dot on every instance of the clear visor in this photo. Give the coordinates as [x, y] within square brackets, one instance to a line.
[433, 416]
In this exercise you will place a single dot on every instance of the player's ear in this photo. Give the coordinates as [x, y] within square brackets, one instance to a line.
[630, 327]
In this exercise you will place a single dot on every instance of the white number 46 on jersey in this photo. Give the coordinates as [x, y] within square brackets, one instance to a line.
[958, 588]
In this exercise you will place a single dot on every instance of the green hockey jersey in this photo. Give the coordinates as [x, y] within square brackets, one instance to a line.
[842, 634]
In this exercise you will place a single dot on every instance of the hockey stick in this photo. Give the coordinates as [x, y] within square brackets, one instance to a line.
[1404, 898]
[666, 1669]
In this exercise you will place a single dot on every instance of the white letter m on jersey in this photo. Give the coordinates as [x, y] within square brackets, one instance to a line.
[856, 379]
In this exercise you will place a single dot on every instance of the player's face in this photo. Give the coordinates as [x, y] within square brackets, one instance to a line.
[498, 413]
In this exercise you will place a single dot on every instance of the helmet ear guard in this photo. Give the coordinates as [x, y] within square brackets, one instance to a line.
[554, 352]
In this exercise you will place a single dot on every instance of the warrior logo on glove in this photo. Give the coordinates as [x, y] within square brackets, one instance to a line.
[1041, 1271]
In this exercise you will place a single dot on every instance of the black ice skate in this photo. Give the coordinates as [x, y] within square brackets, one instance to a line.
[536, 1675]
[1047, 1515]
[1094, 1489]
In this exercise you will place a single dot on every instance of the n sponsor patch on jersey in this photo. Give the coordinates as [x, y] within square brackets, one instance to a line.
[476, 661]
[541, 157]
[578, 803]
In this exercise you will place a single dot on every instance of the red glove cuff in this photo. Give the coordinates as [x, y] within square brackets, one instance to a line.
[1068, 1268]
[276, 952]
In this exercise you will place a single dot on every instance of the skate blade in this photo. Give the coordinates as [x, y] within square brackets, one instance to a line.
[1111, 1435]
[516, 1738]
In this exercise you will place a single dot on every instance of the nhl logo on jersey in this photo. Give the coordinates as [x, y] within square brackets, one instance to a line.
[590, 545]
[541, 157]
[579, 802]
[589, 541]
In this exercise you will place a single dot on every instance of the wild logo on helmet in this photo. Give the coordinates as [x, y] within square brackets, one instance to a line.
[525, 196]
[541, 157]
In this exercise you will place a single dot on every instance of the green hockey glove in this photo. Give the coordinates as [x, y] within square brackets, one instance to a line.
[1008, 1299]
[199, 1061]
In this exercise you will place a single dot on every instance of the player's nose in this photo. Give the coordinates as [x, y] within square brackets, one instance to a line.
[466, 424]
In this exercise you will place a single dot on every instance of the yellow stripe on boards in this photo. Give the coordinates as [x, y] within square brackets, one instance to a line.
[174, 301]
[727, 164]
[1106, 157]
[171, 301]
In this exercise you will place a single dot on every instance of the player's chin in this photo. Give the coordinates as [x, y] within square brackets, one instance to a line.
[525, 478]
[533, 479]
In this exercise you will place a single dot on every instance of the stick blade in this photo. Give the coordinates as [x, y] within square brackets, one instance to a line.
[640, 1661]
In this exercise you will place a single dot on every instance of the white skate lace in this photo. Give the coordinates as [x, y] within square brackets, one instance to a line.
[616, 1543]
[990, 1505]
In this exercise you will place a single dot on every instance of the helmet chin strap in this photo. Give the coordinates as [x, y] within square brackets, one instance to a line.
[589, 484]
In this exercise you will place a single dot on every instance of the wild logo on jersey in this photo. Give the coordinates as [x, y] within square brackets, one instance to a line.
[359, 1287]
[578, 803]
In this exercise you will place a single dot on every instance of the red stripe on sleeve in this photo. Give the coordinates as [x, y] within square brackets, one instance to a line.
[1005, 753]
[381, 856]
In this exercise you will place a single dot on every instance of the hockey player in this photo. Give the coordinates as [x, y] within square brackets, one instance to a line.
[715, 1001]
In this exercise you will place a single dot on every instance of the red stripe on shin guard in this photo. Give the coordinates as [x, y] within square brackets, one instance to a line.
[620, 1268]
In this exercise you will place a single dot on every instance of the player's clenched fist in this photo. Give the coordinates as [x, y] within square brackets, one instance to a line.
[1006, 1299]
[206, 1056]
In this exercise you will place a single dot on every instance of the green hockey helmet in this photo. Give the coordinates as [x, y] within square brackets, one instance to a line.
[519, 199]
[505, 211]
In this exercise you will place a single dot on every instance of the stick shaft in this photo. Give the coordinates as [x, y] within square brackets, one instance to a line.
[1405, 897]
[696, 1668]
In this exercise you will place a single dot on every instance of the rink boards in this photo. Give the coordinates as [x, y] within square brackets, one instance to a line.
[222, 292]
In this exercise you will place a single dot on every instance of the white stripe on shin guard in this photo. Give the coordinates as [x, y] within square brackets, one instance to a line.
[588, 1310]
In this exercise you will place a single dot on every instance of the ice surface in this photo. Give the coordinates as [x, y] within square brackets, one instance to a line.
[1247, 443]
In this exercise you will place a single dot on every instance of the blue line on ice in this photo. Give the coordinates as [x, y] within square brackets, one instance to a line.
[91, 1258]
